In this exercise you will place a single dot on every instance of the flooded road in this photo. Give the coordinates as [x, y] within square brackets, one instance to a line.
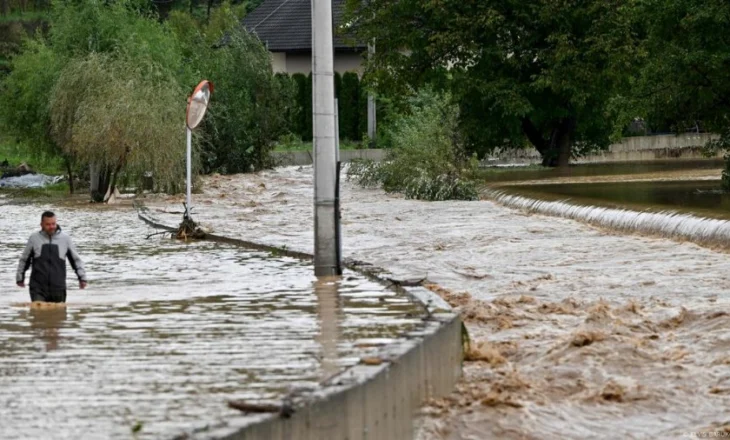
[166, 332]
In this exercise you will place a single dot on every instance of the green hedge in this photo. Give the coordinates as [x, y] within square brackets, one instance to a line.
[289, 86]
[349, 99]
[303, 125]
[352, 106]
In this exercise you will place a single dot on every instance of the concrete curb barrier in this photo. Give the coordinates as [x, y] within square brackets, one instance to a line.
[630, 149]
[363, 402]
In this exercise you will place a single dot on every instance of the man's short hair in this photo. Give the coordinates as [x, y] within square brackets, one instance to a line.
[47, 214]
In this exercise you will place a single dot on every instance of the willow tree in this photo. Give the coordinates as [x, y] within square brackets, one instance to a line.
[126, 119]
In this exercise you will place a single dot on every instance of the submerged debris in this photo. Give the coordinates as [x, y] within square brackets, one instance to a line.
[586, 337]
[188, 229]
[485, 351]
[285, 409]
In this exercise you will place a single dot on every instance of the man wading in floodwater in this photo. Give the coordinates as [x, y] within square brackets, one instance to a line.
[46, 251]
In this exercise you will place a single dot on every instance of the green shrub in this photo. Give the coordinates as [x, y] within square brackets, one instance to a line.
[300, 84]
[288, 87]
[441, 187]
[249, 107]
[427, 161]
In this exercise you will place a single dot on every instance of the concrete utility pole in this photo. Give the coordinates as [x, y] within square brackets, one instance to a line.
[327, 261]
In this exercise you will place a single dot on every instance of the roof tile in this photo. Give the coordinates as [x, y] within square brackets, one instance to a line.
[286, 25]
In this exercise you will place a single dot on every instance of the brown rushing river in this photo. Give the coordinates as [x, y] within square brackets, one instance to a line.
[167, 331]
[577, 332]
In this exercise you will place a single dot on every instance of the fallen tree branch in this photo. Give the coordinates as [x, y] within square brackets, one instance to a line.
[157, 233]
[284, 409]
[189, 229]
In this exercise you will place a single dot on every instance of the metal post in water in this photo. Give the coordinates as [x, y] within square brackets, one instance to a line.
[326, 254]
[338, 219]
[197, 105]
[337, 130]
[372, 123]
[371, 119]
[188, 206]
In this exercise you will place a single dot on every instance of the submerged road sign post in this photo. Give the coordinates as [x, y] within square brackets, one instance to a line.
[327, 259]
[197, 106]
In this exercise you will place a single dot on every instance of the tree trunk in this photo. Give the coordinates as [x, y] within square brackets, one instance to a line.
[210, 4]
[548, 159]
[4, 7]
[535, 137]
[558, 150]
[100, 187]
[113, 184]
[565, 149]
[564, 144]
[93, 178]
[115, 176]
[192, 5]
[69, 170]
[163, 9]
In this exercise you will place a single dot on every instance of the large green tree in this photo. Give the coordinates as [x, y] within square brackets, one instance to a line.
[685, 78]
[250, 110]
[542, 72]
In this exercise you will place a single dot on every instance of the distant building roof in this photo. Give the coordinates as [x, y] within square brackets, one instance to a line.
[286, 25]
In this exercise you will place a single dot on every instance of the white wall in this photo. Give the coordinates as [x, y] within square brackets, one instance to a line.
[298, 63]
[302, 63]
[278, 62]
[637, 148]
[349, 62]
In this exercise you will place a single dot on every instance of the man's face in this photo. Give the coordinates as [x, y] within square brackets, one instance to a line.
[48, 225]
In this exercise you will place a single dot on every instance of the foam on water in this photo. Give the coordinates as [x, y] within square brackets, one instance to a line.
[669, 224]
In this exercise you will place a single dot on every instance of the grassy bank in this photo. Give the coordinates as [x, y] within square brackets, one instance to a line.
[16, 154]
[57, 191]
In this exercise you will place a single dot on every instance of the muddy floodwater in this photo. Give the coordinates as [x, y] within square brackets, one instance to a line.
[167, 332]
[577, 332]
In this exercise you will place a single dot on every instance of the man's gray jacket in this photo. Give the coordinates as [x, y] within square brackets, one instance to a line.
[47, 255]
